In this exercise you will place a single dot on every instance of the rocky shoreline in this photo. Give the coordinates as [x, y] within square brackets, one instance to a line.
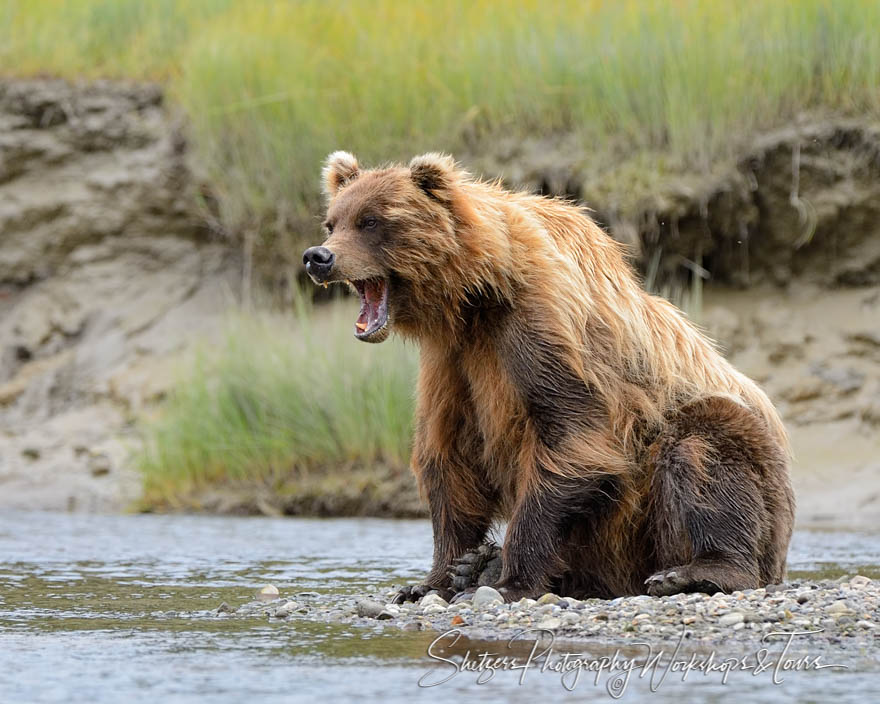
[829, 616]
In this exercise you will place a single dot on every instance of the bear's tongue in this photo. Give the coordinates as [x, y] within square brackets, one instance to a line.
[373, 305]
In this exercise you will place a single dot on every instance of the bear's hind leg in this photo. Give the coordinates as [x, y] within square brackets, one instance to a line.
[721, 507]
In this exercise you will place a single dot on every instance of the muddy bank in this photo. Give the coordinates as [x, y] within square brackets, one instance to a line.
[107, 270]
[817, 353]
[381, 491]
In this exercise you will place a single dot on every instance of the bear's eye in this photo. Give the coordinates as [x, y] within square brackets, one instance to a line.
[329, 227]
[369, 223]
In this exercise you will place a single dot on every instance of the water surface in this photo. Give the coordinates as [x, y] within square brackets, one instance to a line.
[110, 609]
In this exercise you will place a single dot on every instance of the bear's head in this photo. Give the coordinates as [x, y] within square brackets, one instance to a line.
[395, 236]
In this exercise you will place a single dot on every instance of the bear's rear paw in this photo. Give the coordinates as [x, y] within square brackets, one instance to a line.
[476, 568]
[679, 579]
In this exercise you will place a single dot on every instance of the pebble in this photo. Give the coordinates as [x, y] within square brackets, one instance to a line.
[549, 623]
[548, 599]
[838, 607]
[368, 608]
[287, 608]
[434, 609]
[570, 618]
[434, 600]
[731, 619]
[486, 596]
[269, 592]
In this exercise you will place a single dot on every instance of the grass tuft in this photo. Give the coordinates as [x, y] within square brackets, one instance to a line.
[280, 403]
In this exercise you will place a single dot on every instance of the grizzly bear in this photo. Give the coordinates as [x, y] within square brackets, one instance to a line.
[626, 454]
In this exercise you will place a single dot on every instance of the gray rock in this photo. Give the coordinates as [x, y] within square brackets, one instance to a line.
[369, 608]
[486, 596]
[434, 600]
[269, 592]
[731, 619]
[570, 618]
[548, 599]
[286, 609]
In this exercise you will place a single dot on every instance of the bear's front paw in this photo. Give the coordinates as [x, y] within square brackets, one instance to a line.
[476, 568]
[416, 592]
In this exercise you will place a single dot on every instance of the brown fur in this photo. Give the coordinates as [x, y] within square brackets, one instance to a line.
[554, 392]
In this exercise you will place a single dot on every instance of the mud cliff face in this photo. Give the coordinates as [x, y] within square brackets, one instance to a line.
[796, 204]
[106, 274]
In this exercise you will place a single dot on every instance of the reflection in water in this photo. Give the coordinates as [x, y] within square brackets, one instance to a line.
[117, 608]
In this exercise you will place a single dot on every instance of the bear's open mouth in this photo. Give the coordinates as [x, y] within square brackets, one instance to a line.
[372, 322]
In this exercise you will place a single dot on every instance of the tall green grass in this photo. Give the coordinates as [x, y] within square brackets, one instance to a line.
[279, 401]
[271, 87]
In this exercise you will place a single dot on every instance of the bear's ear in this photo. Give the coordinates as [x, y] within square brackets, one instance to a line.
[339, 169]
[434, 174]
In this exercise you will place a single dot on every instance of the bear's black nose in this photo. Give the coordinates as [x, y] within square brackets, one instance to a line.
[319, 262]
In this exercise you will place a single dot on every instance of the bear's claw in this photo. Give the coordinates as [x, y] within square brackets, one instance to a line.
[676, 580]
[412, 593]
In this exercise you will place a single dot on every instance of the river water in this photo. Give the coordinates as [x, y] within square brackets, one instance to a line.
[113, 609]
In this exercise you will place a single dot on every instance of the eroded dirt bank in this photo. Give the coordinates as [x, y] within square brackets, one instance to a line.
[817, 353]
[794, 204]
[108, 273]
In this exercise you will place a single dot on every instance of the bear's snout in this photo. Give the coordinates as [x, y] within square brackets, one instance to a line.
[319, 262]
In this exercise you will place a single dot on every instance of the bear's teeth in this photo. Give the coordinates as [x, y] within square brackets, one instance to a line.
[361, 326]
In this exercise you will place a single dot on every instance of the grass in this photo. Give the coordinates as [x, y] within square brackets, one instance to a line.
[271, 87]
[280, 403]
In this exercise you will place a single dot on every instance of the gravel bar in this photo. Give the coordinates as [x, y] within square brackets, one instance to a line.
[845, 614]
